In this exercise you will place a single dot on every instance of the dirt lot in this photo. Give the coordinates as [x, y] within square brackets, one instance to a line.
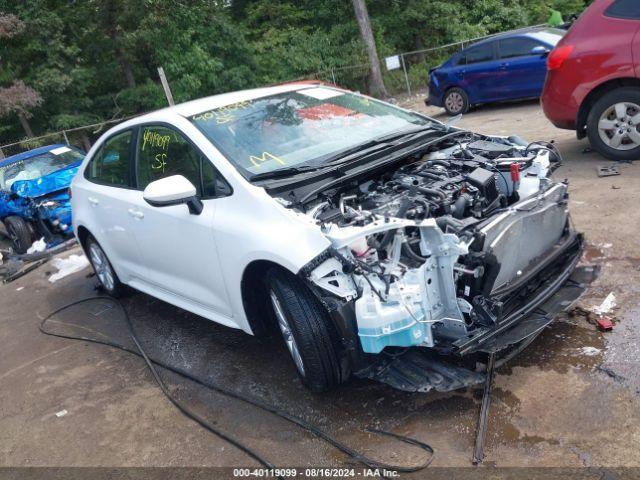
[571, 400]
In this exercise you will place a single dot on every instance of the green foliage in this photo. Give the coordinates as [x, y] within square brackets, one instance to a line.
[92, 60]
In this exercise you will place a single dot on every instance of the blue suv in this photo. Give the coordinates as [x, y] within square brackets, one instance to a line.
[509, 66]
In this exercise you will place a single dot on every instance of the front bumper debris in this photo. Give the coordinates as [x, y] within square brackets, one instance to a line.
[422, 370]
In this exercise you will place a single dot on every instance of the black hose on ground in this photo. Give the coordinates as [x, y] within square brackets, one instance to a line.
[151, 364]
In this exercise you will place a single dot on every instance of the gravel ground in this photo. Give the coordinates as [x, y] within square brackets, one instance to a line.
[571, 400]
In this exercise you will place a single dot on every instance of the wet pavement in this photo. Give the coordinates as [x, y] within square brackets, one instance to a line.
[572, 399]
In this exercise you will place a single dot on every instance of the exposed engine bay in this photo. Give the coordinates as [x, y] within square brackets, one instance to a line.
[442, 249]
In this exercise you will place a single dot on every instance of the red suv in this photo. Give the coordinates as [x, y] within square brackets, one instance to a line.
[593, 79]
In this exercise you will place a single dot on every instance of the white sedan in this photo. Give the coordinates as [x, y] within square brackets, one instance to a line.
[362, 230]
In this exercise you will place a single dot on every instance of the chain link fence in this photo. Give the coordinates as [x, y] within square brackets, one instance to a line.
[412, 73]
[411, 76]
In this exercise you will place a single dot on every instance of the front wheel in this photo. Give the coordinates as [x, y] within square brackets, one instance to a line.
[612, 124]
[456, 101]
[107, 276]
[19, 233]
[307, 331]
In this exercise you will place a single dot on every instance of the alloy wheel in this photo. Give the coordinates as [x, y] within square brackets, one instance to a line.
[283, 323]
[618, 126]
[102, 267]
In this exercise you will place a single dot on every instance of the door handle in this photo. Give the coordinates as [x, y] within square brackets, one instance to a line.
[503, 66]
[136, 213]
[93, 201]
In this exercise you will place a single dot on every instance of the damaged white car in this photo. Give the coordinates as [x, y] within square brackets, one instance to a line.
[381, 242]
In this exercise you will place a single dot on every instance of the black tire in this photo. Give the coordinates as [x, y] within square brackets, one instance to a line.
[105, 273]
[606, 103]
[311, 328]
[456, 101]
[19, 233]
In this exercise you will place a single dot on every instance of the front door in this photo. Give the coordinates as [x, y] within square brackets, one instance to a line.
[523, 71]
[177, 247]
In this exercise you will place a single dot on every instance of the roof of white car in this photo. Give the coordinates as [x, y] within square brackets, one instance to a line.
[216, 101]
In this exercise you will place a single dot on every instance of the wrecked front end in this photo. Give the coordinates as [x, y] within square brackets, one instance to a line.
[465, 250]
[44, 203]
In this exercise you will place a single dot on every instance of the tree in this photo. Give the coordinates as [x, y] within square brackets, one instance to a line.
[19, 99]
[376, 86]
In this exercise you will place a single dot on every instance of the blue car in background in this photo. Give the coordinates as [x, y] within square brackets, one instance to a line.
[34, 194]
[510, 66]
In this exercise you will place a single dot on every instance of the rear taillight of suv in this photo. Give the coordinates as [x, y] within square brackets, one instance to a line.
[558, 56]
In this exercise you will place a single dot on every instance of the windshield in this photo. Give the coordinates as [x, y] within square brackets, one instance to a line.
[298, 128]
[38, 166]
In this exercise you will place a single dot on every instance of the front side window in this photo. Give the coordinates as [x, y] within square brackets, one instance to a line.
[482, 53]
[163, 152]
[111, 165]
[303, 127]
[517, 47]
[624, 9]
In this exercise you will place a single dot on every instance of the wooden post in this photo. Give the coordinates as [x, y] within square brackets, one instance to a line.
[165, 85]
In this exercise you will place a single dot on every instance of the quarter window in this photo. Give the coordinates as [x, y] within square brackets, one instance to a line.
[482, 53]
[111, 165]
[163, 152]
[624, 9]
[517, 47]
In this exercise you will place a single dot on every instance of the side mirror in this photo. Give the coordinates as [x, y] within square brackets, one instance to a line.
[174, 190]
[540, 50]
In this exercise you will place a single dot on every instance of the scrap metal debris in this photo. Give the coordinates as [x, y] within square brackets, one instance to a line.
[608, 170]
[481, 431]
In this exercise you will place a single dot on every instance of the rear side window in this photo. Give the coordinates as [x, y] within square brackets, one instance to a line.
[516, 47]
[624, 9]
[111, 165]
[163, 152]
[482, 53]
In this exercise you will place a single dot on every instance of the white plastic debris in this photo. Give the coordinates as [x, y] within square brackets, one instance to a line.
[19, 288]
[590, 351]
[61, 413]
[67, 266]
[37, 246]
[606, 306]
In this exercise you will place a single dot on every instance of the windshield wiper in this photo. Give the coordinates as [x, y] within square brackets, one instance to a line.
[285, 172]
[375, 144]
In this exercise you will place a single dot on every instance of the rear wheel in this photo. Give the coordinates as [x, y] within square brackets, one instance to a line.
[107, 276]
[456, 101]
[19, 233]
[307, 331]
[612, 124]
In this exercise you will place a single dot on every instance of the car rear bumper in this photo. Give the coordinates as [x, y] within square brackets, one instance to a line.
[557, 104]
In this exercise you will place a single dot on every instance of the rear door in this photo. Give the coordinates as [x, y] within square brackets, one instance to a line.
[478, 74]
[522, 71]
[625, 15]
[178, 249]
[105, 199]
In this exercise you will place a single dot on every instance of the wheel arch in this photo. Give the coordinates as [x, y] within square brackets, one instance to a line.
[255, 296]
[83, 233]
[594, 95]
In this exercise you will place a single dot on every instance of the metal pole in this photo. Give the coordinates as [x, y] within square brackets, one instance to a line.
[66, 139]
[406, 77]
[481, 431]
[165, 85]
[333, 76]
[1, 154]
